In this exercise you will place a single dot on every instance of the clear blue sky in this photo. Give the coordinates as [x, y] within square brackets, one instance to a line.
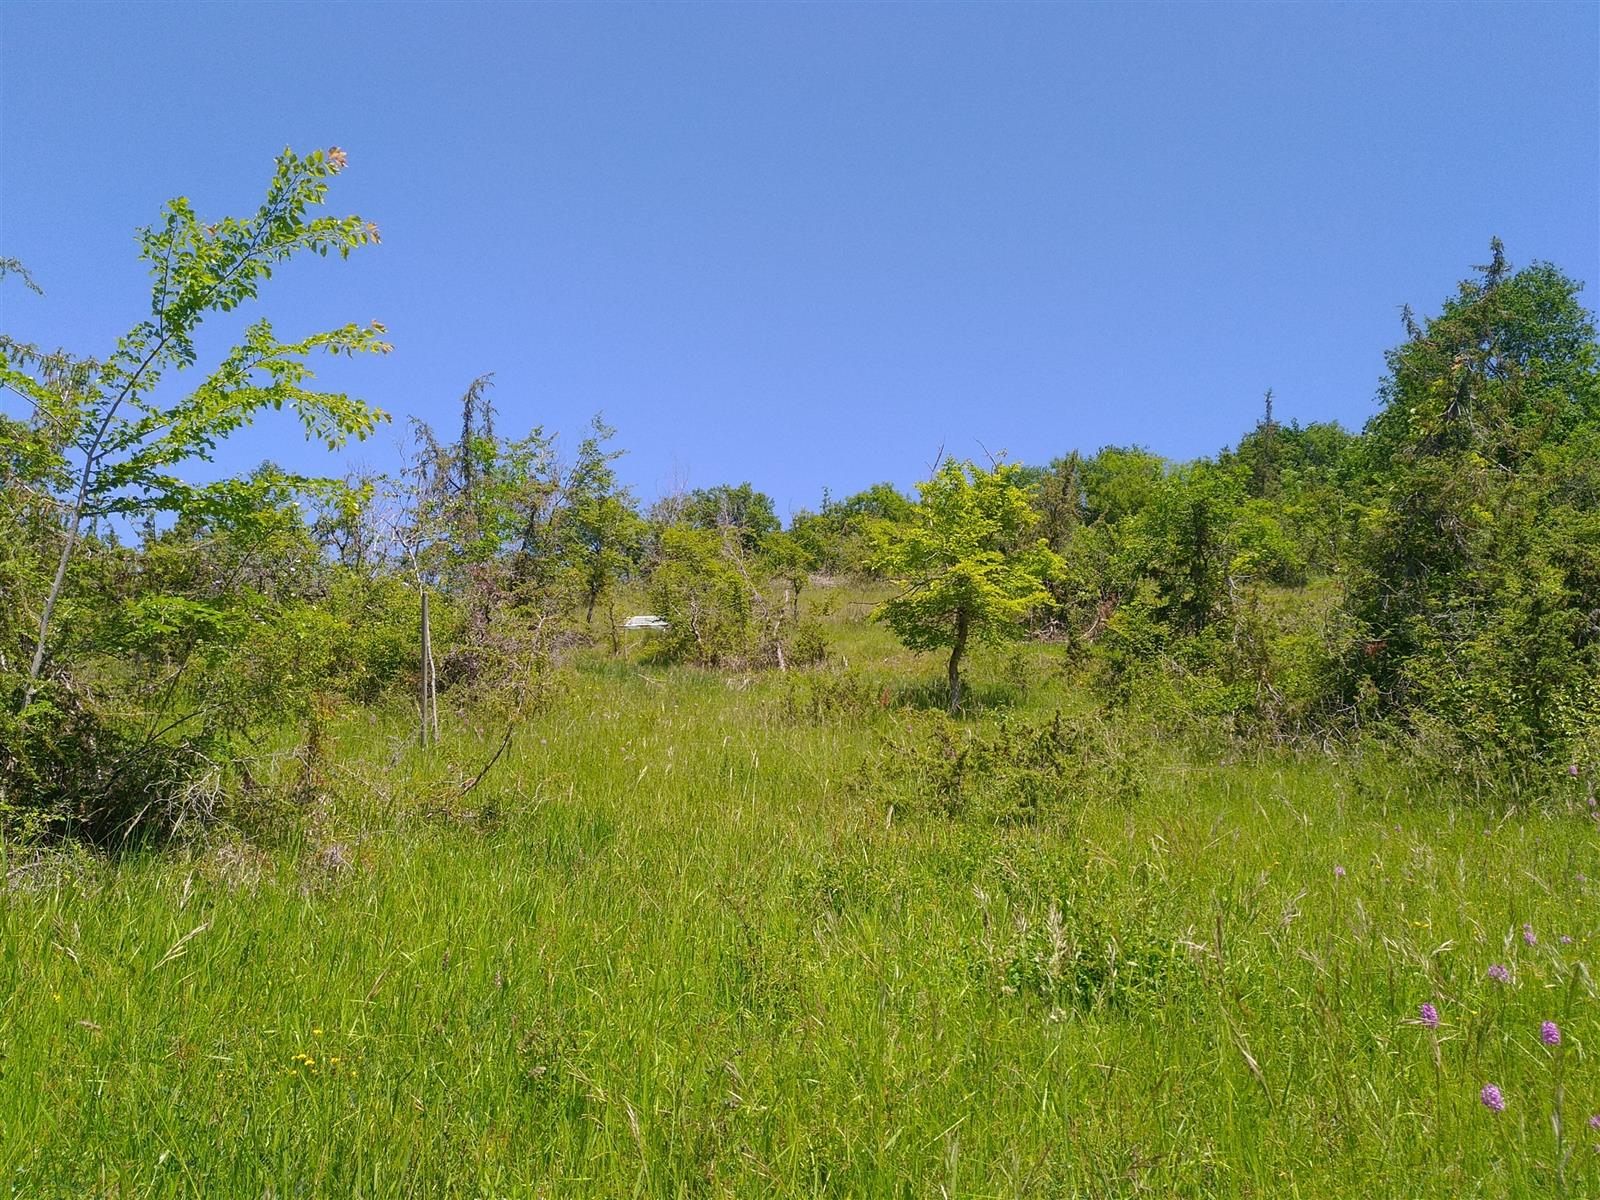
[809, 244]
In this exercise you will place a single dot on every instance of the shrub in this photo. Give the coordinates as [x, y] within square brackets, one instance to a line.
[808, 646]
[703, 599]
[70, 769]
[1018, 772]
[826, 697]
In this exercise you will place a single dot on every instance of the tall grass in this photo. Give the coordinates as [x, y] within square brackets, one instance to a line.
[673, 945]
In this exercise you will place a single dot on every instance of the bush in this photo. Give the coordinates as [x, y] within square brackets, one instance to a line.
[808, 646]
[704, 585]
[827, 697]
[69, 770]
[1019, 772]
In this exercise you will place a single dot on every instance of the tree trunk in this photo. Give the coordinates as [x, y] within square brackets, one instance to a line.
[956, 651]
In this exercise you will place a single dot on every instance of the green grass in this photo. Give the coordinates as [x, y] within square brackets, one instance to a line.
[675, 946]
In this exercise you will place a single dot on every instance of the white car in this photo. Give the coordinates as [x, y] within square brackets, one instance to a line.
[645, 621]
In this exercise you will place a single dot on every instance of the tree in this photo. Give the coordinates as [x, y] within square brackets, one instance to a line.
[788, 558]
[117, 443]
[1184, 535]
[836, 538]
[966, 562]
[101, 451]
[1264, 476]
[1058, 497]
[1118, 482]
[603, 534]
[475, 499]
[705, 599]
[740, 507]
[1479, 564]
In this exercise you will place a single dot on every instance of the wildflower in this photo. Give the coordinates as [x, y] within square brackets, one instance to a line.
[1529, 936]
[1566, 939]
[1550, 1033]
[1500, 973]
[1594, 1121]
[1573, 770]
[1492, 1099]
[1338, 872]
[1429, 1015]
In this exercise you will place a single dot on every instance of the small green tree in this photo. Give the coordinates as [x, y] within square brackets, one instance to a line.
[1058, 498]
[472, 500]
[117, 443]
[966, 562]
[103, 448]
[707, 603]
[1119, 482]
[788, 558]
[603, 535]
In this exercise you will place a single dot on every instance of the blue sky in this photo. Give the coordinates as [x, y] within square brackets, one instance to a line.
[808, 245]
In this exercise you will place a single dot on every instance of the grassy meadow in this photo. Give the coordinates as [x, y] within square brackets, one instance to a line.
[680, 942]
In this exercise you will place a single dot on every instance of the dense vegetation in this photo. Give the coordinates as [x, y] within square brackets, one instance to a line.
[1237, 841]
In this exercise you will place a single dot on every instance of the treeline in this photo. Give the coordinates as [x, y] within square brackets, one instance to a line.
[1434, 578]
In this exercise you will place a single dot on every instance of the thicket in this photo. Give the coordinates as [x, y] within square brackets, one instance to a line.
[1433, 580]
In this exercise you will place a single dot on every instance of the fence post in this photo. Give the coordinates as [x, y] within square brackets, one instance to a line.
[426, 672]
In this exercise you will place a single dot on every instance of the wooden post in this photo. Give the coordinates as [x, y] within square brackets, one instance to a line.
[433, 690]
[427, 672]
